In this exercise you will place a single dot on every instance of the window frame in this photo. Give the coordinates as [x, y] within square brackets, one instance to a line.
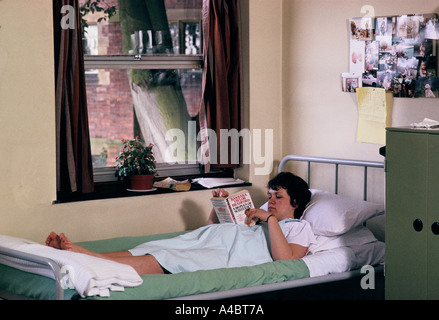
[107, 184]
[144, 61]
[151, 62]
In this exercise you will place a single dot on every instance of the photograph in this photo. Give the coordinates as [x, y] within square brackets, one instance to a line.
[386, 79]
[387, 62]
[393, 53]
[413, 26]
[427, 87]
[431, 28]
[423, 47]
[385, 43]
[370, 79]
[401, 26]
[403, 47]
[350, 82]
[383, 26]
[427, 67]
[357, 53]
[407, 67]
[361, 28]
[371, 57]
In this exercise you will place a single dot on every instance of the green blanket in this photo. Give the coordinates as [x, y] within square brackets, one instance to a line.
[156, 287]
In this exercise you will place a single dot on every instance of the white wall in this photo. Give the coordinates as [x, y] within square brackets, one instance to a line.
[319, 119]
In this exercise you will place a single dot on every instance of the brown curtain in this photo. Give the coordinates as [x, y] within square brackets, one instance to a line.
[73, 155]
[221, 96]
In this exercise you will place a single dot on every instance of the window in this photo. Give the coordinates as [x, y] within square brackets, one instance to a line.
[143, 76]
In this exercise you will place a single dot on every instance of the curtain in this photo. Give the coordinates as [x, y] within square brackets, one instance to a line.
[221, 91]
[73, 153]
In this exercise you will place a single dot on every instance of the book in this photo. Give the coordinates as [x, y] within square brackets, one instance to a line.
[232, 209]
[175, 185]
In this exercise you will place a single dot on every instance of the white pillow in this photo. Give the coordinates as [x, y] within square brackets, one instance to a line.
[264, 206]
[330, 214]
[356, 237]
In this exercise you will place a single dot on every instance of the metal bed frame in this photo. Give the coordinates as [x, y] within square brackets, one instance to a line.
[240, 292]
[352, 275]
[43, 262]
[336, 162]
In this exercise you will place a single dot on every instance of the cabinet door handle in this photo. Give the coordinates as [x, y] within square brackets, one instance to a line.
[418, 225]
[435, 228]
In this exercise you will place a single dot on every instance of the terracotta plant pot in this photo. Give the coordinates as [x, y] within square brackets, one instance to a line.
[141, 182]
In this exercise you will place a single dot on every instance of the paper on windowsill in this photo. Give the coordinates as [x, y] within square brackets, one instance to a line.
[217, 182]
[426, 123]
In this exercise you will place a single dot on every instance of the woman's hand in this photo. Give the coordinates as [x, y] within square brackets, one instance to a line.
[213, 218]
[256, 214]
[220, 193]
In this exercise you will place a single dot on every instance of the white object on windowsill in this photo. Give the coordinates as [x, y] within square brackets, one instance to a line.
[217, 182]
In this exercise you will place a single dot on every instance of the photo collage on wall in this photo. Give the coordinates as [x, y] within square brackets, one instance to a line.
[397, 53]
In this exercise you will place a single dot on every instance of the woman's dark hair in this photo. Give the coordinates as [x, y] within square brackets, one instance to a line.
[297, 189]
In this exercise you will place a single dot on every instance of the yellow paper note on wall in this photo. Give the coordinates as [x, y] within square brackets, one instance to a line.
[374, 114]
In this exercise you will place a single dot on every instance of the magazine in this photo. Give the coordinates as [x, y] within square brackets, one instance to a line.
[232, 209]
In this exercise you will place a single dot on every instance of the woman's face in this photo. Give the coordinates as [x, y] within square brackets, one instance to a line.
[279, 204]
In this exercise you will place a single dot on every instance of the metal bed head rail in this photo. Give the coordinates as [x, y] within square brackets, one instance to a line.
[42, 262]
[336, 162]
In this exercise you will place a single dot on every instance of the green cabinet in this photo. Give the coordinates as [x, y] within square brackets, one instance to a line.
[412, 214]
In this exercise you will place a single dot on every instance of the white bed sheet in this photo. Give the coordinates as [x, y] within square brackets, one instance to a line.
[369, 254]
[342, 259]
[335, 260]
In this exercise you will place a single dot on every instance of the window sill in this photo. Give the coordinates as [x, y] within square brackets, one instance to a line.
[118, 189]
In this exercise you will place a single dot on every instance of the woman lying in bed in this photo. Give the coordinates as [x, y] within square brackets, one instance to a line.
[280, 236]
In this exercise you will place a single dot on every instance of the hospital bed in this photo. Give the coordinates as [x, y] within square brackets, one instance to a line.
[347, 262]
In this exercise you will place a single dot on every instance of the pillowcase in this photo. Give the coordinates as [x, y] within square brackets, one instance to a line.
[356, 237]
[330, 214]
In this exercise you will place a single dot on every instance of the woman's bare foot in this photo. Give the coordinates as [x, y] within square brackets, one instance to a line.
[68, 245]
[143, 264]
[53, 240]
[63, 243]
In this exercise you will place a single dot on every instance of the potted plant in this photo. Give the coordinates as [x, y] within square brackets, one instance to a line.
[136, 161]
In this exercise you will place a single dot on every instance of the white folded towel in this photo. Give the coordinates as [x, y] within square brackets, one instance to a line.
[90, 276]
